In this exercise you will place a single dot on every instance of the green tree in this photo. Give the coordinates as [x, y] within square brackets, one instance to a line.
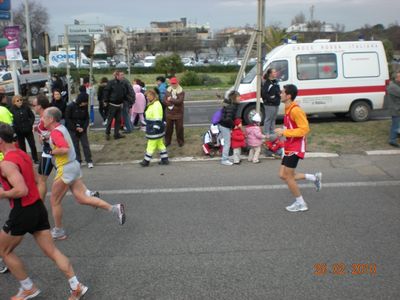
[169, 65]
[273, 37]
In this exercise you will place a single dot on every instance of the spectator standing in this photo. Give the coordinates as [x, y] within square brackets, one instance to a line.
[154, 130]
[161, 90]
[139, 106]
[127, 105]
[23, 119]
[115, 93]
[174, 101]
[60, 103]
[238, 140]
[295, 130]
[393, 94]
[100, 96]
[77, 123]
[254, 138]
[226, 124]
[270, 93]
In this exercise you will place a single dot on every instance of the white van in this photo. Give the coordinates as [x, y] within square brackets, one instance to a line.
[334, 77]
[149, 61]
[58, 59]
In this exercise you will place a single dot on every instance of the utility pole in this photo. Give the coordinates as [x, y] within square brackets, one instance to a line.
[28, 36]
[66, 45]
[47, 51]
[13, 65]
[260, 32]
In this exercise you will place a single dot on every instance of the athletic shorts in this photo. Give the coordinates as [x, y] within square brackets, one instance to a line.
[69, 172]
[30, 219]
[290, 161]
[45, 166]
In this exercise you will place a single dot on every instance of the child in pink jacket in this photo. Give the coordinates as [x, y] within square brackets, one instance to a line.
[139, 106]
[254, 138]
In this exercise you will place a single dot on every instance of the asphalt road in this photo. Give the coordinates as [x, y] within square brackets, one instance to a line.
[200, 230]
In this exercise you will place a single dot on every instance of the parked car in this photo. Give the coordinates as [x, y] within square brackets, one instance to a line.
[100, 64]
[122, 65]
[139, 64]
[30, 84]
[149, 61]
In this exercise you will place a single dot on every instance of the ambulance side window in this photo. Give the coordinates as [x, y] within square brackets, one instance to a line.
[282, 69]
[316, 66]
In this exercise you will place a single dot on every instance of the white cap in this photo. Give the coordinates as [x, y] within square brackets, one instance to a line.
[256, 118]
[214, 129]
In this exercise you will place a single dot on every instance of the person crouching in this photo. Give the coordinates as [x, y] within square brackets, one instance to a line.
[155, 130]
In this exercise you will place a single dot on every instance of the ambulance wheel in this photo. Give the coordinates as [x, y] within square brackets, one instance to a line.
[360, 111]
[249, 112]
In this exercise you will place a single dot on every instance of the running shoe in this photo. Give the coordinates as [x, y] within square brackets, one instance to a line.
[120, 211]
[26, 294]
[3, 267]
[78, 293]
[58, 234]
[94, 194]
[90, 165]
[226, 162]
[318, 181]
[295, 207]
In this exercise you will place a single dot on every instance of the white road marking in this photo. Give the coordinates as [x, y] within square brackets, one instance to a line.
[249, 188]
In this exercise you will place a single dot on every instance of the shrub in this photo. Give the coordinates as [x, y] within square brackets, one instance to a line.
[190, 78]
[232, 79]
[168, 65]
[207, 80]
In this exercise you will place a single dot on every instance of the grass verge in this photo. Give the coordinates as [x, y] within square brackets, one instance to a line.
[342, 137]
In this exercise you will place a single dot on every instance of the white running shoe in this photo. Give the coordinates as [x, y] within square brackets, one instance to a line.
[3, 267]
[295, 207]
[90, 165]
[58, 234]
[318, 181]
[226, 162]
[120, 212]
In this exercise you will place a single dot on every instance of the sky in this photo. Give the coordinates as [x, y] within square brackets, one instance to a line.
[217, 13]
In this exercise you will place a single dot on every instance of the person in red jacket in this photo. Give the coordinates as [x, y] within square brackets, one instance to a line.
[295, 131]
[238, 140]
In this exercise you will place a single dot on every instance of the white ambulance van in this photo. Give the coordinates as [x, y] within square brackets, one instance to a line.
[335, 77]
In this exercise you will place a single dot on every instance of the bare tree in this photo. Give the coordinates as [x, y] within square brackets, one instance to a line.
[300, 18]
[110, 47]
[39, 21]
[240, 43]
[218, 43]
[339, 27]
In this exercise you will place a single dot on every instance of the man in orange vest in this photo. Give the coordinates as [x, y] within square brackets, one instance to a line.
[295, 130]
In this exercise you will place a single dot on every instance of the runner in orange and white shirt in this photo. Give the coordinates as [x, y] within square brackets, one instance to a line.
[69, 174]
[295, 130]
[39, 104]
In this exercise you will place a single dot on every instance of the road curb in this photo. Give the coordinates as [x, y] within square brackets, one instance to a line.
[383, 152]
[204, 159]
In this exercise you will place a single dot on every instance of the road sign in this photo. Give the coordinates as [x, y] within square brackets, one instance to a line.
[83, 29]
[79, 39]
[5, 15]
[5, 4]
